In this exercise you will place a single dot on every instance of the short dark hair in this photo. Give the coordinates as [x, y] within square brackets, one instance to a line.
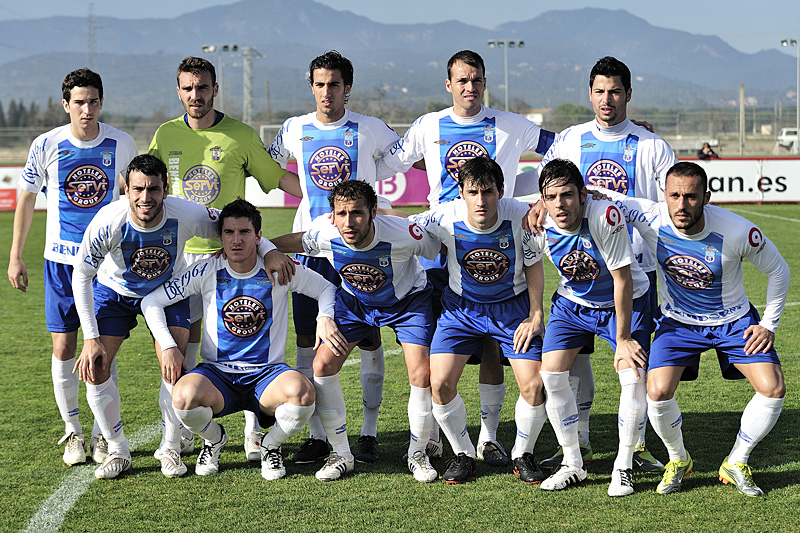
[353, 190]
[689, 169]
[196, 66]
[610, 67]
[240, 208]
[482, 171]
[469, 57]
[83, 77]
[560, 172]
[149, 165]
[331, 60]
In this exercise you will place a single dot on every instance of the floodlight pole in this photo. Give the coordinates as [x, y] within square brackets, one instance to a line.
[796, 44]
[219, 48]
[505, 44]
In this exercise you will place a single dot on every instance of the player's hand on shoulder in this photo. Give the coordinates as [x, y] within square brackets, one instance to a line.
[328, 332]
[631, 352]
[644, 124]
[759, 339]
[597, 195]
[533, 222]
[280, 267]
[17, 270]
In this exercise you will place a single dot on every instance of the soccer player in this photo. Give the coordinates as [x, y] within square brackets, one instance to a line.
[700, 248]
[602, 292]
[331, 145]
[132, 247]
[244, 343]
[446, 139]
[383, 284]
[495, 291]
[209, 155]
[613, 152]
[79, 165]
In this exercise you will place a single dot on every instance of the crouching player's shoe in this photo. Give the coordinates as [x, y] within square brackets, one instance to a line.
[459, 468]
[433, 450]
[564, 476]
[526, 468]
[99, 448]
[252, 446]
[492, 453]
[740, 475]
[115, 464]
[74, 449]
[420, 465]
[555, 460]
[271, 463]
[335, 467]
[367, 449]
[621, 482]
[310, 451]
[674, 473]
[643, 460]
[171, 463]
[208, 458]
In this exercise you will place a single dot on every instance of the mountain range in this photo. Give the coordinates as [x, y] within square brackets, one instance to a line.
[403, 64]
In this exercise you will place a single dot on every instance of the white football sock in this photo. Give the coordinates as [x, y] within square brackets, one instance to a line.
[584, 393]
[632, 402]
[170, 424]
[289, 420]
[65, 387]
[530, 419]
[305, 360]
[105, 404]
[491, 403]
[758, 419]
[96, 427]
[332, 413]
[200, 420]
[190, 359]
[435, 436]
[563, 414]
[452, 418]
[372, 371]
[420, 418]
[251, 424]
[666, 419]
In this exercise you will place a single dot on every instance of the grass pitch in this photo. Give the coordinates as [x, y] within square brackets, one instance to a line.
[383, 496]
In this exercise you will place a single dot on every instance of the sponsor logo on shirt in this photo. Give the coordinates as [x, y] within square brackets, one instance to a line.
[609, 174]
[244, 316]
[329, 166]
[579, 266]
[150, 262]
[688, 272]
[363, 277]
[485, 265]
[201, 184]
[86, 186]
[460, 153]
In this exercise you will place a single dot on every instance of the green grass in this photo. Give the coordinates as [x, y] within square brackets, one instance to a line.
[385, 496]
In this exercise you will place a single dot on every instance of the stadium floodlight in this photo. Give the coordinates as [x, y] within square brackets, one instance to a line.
[796, 44]
[505, 44]
[219, 48]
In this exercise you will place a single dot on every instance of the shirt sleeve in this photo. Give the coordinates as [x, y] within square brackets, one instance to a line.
[306, 281]
[403, 153]
[277, 150]
[765, 256]
[664, 160]
[35, 171]
[608, 228]
[261, 166]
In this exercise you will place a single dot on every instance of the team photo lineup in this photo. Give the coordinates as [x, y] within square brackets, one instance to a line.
[168, 235]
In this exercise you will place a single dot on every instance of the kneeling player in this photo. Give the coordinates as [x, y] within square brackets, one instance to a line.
[494, 292]
[602, 292]
[245, 322]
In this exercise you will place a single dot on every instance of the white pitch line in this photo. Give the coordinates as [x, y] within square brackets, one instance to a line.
[357, 360]
[51, 513]
[787, 304]
[765, 215]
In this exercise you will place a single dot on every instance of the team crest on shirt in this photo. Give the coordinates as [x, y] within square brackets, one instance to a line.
[628, 153]
[363, 277]
[86, 186]
[609, 174]
[201, 184]
[108, 157]
[585, 240]
[349, 135]
[166, 237]
[710, 253]
[488, 133]
[460, 153]
[504, 240]
[578, 266]
[216, 153]
[383, 260]
[485, 265]
[688, 272]
[150, 262]
[244, 316]
[329, 166]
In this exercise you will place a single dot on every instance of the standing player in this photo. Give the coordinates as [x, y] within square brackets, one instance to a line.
[446, 140]
[613, 152]
[495, 291]
[383, 284]
[79, 165]
[138, 242]
[208, 155]
[244, 342]
[602, 292]
[700, 248]
[331, 145]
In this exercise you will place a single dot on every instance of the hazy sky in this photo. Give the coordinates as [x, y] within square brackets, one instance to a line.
[747, 26]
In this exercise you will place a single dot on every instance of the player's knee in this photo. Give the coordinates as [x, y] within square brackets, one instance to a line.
[325, 364]
[443, 388]
[774, 390]
[533, 390]
[182, 397]
[657, 392]
[300, 391]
